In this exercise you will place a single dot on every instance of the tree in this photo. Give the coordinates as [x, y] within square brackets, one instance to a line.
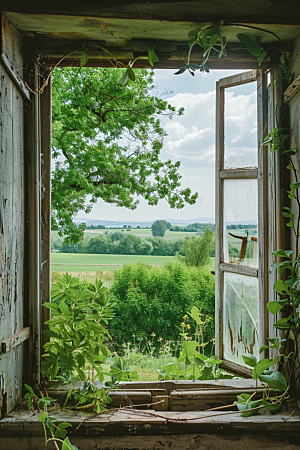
[196, 250]
[159, 228]
[107, 140]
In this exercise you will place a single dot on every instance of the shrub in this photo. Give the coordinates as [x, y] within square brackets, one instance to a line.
[154, 299]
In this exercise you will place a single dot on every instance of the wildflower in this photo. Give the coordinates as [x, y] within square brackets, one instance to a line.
[188, 326]
[185, 316]
[160, 338]
[182, 324]
[153, 334]
[133, 335]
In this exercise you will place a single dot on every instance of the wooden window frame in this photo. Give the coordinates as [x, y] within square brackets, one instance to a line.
[261, 174]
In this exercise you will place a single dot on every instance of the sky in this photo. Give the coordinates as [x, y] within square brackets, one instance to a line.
[191, 140]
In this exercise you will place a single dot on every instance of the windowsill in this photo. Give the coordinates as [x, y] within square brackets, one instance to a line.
[124, 429]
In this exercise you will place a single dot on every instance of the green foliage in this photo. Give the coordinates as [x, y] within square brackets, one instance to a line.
[289, 264]
[245, 403]
[191, 363]
[196, 251]
[92, 117]
[209, 38]
[76, 331]
[274, 380]
[159, 227]
[57, 431]
[152, 299]
[212, 42]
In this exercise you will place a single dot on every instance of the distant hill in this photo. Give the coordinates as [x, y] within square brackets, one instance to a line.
[142, 224]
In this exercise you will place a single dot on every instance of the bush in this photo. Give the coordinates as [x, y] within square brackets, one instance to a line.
[154, 299]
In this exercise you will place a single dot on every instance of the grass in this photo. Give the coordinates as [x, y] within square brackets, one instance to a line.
[82, 268]
[142, 232]
[83, 258]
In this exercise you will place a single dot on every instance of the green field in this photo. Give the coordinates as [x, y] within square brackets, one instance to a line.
[142, 232]
[91, 259]
[81, 262]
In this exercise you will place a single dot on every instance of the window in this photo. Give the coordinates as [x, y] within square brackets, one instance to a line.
[241, 254]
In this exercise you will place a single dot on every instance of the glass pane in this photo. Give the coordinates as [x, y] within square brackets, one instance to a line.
[240, 319]
[240, 222]
[241, 126]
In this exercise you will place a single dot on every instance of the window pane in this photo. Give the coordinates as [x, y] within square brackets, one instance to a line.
[240, 317]
[240, 222]
[241, 126]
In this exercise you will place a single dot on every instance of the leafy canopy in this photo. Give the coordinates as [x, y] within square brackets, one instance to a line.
[196, 250]
[107, 139]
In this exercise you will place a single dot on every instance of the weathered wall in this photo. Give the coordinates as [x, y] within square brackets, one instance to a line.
[11, 217]
[294, 120]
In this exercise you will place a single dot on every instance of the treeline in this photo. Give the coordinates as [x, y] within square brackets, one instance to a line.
[200, 227]
[193, 227]
[120, 244]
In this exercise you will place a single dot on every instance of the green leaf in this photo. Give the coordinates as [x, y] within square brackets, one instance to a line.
[280, 287]
[67, 445]
[223, 41]
[263, 347]
[131, 73]
[152, 56]
[181, 70]
[43, 416]
[292, 282]
[283, 253]
[244, 405]
[195, 314]
[193, 66]
[276, 306]
[295, 185]
[283, 324]
[261, 366]
[124, 78]
[29, 388]
[276, 380]
[261, 58]
[250, 44]
[298, 402]
[194, 31]
[214, 39]
[271, 406]
[250, 360]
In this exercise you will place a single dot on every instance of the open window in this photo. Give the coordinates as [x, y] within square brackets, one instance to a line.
[241, 254]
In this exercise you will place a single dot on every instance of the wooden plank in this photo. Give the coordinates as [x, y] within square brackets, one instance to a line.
[149, 430]
[46, 124]
[120, 397]
[262, 182]
[292, 90]
[236, 369]
[15, 339]
[219, 252]
[240, 269]
[237, 174]
[17, 80]
[237, 80]
[272, 294]
[202, 400]
[33, 224]
[12, 220]
[241, 12]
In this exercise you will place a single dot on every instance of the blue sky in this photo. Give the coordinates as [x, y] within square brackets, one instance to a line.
[191, 140]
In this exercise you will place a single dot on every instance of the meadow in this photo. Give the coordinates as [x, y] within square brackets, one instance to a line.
[82, 262]
[141, 232]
